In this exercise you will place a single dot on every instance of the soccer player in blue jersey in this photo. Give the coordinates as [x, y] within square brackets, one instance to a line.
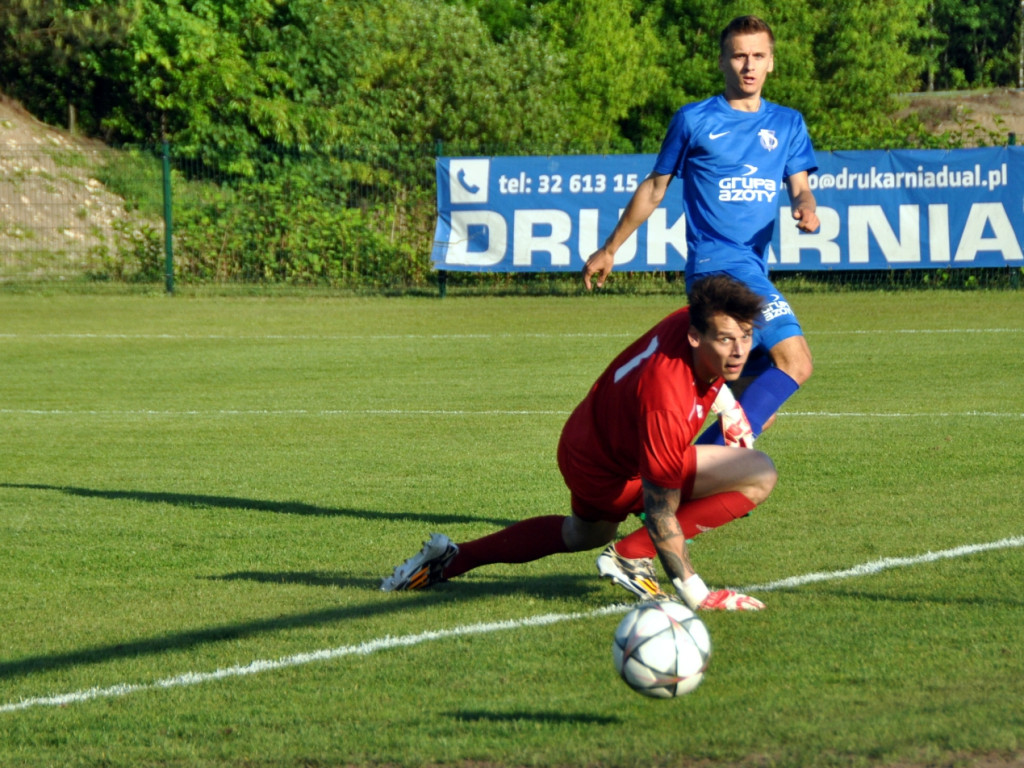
[733, 152]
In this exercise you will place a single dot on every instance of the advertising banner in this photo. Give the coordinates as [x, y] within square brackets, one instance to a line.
[909, 209]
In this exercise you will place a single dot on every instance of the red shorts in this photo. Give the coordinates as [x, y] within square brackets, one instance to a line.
[597, 494]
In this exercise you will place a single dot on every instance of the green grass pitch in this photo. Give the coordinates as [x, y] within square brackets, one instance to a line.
[199, 496]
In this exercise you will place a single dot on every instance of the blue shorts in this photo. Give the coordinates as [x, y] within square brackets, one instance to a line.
[778, 322]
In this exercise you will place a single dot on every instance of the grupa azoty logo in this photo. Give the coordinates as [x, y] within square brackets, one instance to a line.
[746, 187]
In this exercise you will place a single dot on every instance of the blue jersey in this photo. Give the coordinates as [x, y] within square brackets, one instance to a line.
[733, 165]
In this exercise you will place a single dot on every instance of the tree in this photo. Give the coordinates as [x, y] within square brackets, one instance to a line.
[502, 17]
[862, 63]
[840, 62]
[970, 43]
[217, 77]
[612, 54]
[49, 51]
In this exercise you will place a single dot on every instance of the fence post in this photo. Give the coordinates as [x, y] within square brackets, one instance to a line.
[442, 274]
[1011, 141]
[168, 225]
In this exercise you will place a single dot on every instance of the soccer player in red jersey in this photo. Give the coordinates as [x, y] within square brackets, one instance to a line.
[628, 449]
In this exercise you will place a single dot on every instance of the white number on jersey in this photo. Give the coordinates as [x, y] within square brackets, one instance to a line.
[625, 368]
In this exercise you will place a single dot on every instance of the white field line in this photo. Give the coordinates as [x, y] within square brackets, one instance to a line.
[311, 336]
[389, 643]
[890, 415]
[885, 564]
[214, 412]
[281, 412]
[434, 336]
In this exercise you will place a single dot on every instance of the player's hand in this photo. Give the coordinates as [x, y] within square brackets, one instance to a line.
[730, 600]
[736, 428]
[806, 219]
[600, 264]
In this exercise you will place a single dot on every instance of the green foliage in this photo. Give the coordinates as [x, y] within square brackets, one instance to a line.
[301, 221]
[223, 80]
[502, 17]
[51, 53]
[972, 44]
[844, 69]
[135, 256]
[422, 71]
[688, 55]
[612, 56]
[217, 79]
[137, 177]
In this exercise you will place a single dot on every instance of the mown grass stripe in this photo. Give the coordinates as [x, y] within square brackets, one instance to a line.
[390, 643]
[461, 412]
[439, 336]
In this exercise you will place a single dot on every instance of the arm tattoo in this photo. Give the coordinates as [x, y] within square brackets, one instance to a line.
[660, 507]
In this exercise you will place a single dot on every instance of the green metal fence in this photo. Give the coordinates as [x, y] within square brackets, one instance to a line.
[57, 219]
[359, 220]
[144, 214]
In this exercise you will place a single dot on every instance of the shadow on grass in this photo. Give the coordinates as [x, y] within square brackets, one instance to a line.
[543, 718]
[479, 585]
[545, 587]
[197, 501]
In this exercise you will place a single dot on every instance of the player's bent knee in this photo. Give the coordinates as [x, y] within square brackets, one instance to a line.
[793, 357]
[579, 535]
[803, 371]
[798, 369]
[762, 480]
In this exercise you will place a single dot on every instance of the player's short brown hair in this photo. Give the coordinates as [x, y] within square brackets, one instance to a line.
[721, 294]
[745, 25]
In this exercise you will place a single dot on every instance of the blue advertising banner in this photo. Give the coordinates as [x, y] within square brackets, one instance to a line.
[907, 209]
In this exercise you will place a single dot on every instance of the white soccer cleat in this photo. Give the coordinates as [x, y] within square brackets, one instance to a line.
[730, 600]
[637, 576]
[425, 568]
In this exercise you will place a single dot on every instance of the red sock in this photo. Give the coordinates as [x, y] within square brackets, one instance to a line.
[531, 539]
[695, 517]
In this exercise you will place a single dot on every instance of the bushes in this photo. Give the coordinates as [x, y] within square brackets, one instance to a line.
[308, 220]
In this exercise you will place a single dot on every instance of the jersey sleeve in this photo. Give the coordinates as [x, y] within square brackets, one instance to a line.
[665, 440]
[801, 152]
[667, 415]
[673, 147]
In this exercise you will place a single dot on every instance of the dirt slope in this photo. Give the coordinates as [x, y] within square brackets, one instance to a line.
[55, 216]
[999, 111]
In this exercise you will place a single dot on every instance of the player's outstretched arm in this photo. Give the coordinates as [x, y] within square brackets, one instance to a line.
[802, 202]
[660, 506]
[645, 200]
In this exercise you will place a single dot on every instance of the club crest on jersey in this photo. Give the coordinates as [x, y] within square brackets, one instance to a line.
[768, 140]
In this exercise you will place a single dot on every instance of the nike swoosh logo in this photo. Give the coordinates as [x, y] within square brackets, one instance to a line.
[714, 136]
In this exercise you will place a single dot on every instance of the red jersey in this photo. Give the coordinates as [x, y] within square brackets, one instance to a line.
[641, 416]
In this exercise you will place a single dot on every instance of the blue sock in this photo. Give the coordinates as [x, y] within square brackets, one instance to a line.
[763, 397]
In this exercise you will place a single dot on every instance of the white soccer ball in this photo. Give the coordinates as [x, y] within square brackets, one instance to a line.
[661, 649]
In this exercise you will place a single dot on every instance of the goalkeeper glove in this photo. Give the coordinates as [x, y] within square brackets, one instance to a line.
[730, 600]
[735, 427]
[696, 595]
